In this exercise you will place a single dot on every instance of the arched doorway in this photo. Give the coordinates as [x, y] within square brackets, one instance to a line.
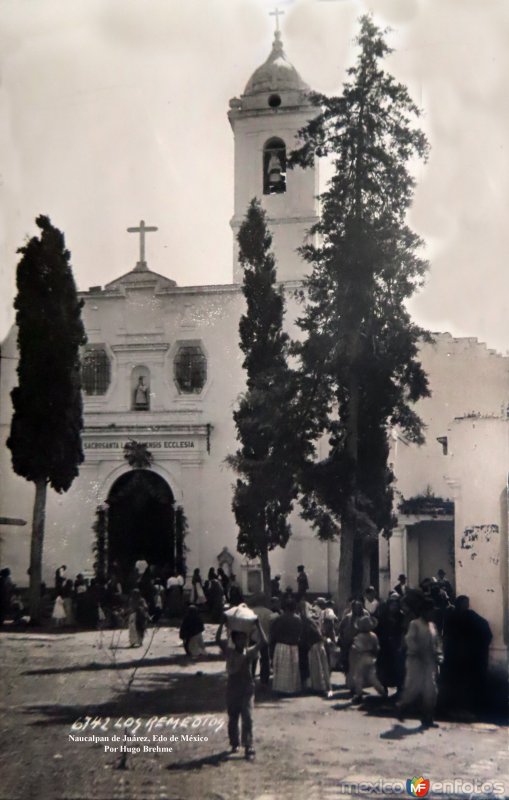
[143, 524]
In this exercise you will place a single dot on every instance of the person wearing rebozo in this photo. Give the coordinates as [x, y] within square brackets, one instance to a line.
[198, 595]
[215, 599]
[174, 595]
[191, 633]
[240, 687]
[138, 618]
[423, 654]
[316, 669]
[390, 629]
[285, 633]
[362, 660]
[348, 630]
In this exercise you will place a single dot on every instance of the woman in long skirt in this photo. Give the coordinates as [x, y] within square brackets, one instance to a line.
[313, 648]
[137, 617]
[285, 633]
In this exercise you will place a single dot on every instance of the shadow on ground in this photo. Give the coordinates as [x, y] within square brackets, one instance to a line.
[400, 732]
[156, 695]
[215, 760]
[373, 705]
[141, 663]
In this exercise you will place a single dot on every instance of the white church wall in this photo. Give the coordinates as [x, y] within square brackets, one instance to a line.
[464, 376]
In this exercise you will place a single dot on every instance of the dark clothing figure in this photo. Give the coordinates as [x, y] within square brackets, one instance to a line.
[401, 587]
[210, 577]
[467, 638]
[445, 585]
[80, 599]
[225, 582]
[236, 596]
[192, 625]
[146, 588]
[92, 601]
[309, 636]
[302, 582]
[391, 657]
[198, 596]
[275, 586]
[6, 590]
[174, 597]
[60, 579]
[215, 600]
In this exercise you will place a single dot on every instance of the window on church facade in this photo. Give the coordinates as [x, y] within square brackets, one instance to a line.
[274, 167]
[190, 369]
[95, 370]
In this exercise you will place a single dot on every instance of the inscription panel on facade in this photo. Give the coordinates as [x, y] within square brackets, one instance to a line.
[166, 444]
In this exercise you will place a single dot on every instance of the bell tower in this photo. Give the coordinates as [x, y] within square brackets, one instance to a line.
[265, 122]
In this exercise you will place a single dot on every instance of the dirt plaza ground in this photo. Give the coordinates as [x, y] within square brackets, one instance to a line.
[58, 691]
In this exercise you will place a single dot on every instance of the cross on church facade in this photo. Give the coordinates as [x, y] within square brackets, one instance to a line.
[276, 13]
[142, 229]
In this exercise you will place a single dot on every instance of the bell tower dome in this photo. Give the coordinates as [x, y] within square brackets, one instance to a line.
[265, 122]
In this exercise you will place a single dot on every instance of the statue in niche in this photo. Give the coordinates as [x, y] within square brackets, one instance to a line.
[141, 395]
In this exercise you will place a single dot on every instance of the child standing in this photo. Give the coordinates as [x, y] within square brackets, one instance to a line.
[240, 687]
[58, 615]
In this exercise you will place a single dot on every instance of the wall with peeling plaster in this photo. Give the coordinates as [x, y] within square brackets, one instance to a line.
[478, 471]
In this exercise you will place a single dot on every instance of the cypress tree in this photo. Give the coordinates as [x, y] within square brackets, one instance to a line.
[265, 461]
[45, 436]
[360, 347]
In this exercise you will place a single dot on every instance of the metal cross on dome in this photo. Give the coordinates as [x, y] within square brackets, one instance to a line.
[142, 229]
[276, 13]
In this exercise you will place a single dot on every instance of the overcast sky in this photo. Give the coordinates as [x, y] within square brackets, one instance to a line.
[115, 110]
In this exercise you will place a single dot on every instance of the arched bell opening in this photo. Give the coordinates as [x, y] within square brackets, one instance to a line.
[274, 167]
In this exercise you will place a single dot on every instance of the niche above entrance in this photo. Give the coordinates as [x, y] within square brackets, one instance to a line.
[140, 388]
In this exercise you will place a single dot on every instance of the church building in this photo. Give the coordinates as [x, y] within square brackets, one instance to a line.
[162, 373]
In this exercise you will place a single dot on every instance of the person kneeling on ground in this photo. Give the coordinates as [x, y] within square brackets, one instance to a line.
[240, 686]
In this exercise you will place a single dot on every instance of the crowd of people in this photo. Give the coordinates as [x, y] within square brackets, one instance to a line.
[417, 641]
[419, 647]
[88, 602]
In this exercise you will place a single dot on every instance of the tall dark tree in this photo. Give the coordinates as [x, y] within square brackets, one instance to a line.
[360, 350]
[45, 437]
[265, 461]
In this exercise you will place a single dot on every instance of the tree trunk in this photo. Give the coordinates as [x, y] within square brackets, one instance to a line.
[264, 561]
[36, 548]
[348, 532]
[345, 562]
